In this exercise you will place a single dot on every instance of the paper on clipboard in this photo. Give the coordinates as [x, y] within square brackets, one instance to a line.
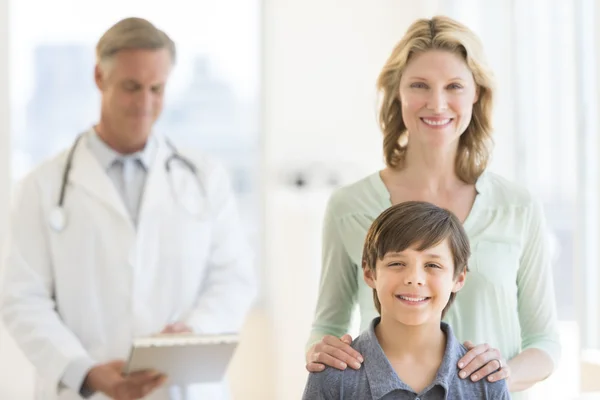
[185, 358]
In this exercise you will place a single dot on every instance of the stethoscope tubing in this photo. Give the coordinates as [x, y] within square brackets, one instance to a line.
[58, 217]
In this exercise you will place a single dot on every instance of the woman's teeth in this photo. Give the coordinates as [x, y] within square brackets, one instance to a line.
[436, 122]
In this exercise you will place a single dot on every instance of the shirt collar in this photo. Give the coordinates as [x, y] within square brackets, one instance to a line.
[380, 373]
[482, 182]
[382, 376]
[448, 370]
[107, 156]
[481, 186]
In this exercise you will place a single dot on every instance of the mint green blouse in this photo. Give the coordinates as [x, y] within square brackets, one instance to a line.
[508, 298]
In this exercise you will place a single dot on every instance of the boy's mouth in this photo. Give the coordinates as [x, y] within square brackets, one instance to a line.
[413, 299]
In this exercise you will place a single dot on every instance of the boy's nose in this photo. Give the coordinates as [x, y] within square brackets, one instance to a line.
[415, 278]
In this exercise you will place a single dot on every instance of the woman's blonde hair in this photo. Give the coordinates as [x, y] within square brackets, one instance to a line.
[132, 33]
[439, 33]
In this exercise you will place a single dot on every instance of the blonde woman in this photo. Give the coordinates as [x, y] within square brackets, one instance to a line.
[436, 109]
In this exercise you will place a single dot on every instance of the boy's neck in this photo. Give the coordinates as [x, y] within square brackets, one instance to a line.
[405, 342]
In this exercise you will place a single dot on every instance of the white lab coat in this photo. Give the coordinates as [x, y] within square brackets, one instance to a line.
[85, 292]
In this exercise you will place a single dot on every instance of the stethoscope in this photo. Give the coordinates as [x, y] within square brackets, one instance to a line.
[58, 216]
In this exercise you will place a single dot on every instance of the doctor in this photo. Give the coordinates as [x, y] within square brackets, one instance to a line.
[122, 236]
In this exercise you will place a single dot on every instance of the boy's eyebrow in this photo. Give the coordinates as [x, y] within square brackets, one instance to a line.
[434, 255]
[393, 254]
[401, 254]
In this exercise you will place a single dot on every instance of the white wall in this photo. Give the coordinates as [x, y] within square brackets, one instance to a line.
[321, 59]
[4, 118]
[9, 369]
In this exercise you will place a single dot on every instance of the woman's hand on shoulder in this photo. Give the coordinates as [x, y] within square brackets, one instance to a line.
[483, 361]
[333, 352]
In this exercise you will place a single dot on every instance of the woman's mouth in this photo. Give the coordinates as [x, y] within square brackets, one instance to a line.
[437, 122]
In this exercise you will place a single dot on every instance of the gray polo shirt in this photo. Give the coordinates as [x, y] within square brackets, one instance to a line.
[376, 379]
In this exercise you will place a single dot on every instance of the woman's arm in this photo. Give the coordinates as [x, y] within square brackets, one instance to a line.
[536, 307]
[337, 295]
[537, 316]
[528, 368]
[521, 372]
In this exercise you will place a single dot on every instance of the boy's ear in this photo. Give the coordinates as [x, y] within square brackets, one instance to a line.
[460, 281]
[368, 276]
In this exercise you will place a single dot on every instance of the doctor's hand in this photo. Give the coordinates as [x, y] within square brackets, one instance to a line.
[177, 327]
[334, 352]
[109, 379]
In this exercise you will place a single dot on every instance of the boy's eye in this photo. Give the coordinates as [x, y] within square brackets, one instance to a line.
[395, 264]
[432, 265]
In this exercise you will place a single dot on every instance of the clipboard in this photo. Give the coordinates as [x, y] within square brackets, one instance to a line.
[185, 358]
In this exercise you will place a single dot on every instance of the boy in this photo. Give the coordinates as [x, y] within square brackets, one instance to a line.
[415, 259]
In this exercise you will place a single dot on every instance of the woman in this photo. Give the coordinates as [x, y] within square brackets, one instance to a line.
[436, 120]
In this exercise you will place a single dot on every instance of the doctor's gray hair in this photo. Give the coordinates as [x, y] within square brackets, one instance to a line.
[132, 33]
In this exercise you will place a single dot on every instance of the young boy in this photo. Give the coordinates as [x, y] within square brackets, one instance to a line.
[415, 259]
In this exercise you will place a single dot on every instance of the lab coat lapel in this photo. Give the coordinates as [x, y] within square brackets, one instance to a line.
[87, 173]
[157, 194]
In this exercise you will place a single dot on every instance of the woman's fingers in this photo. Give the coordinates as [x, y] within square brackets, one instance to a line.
[334, 352]
[343, 344]
[477, 357]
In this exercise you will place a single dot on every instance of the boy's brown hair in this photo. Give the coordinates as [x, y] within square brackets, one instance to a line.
[415, 223]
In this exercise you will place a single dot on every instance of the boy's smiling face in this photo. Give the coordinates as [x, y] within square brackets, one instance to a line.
[414, 286]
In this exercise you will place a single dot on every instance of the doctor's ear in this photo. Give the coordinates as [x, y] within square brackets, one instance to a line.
[100, 76]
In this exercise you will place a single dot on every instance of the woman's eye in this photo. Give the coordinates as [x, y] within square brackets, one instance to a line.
[455, 86]
[418, 85]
